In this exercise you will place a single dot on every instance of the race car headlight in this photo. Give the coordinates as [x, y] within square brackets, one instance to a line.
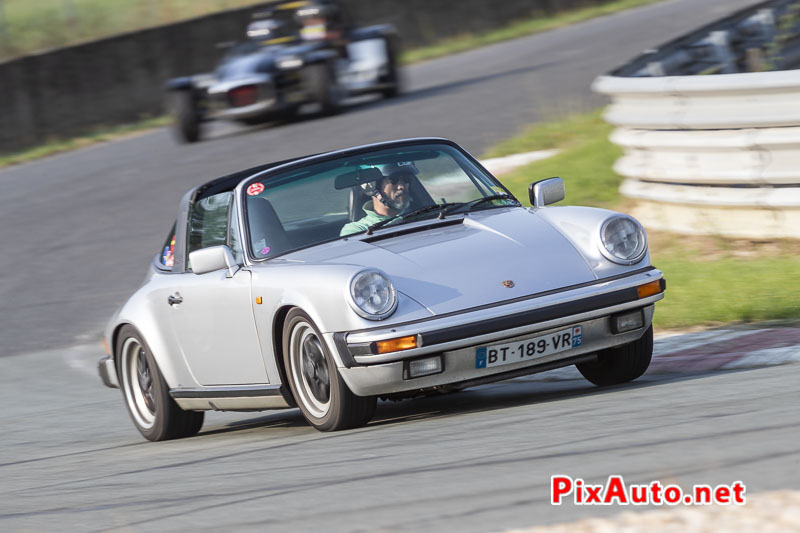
[372, 295]
[623, 240]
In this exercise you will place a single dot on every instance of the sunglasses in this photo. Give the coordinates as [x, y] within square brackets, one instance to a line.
[398, 178]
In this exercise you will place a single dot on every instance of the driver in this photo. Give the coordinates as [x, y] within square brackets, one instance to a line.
[391, 196]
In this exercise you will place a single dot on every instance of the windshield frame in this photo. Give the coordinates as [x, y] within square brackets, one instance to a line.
[298, 164]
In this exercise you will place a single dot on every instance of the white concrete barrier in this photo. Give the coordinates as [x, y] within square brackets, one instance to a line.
[716, 154]
[716, 101]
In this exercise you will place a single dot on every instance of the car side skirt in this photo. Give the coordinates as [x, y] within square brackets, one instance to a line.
[243, 398]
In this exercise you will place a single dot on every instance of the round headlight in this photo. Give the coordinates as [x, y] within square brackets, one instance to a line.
[623, 240]
[372, 295]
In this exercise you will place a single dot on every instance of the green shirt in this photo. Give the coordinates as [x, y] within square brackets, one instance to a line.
[357, 226]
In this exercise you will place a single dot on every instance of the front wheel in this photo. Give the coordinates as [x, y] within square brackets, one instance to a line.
[320, 392]
[154, 413]
[621, 364]
[186, 117]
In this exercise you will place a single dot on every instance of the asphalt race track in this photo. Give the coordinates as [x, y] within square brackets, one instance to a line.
[79, 230]
[478, 460]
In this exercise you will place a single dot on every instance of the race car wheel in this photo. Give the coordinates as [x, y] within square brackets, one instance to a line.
[320, 392]
[186, 117]
[621, 364]
[324, 88]
[154, 413]
[393, 77]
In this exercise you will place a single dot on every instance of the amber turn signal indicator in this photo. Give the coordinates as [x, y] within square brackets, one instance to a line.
[396, 345]
[649, 289]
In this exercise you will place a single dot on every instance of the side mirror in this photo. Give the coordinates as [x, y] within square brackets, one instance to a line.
[546, 192]
[212, 259]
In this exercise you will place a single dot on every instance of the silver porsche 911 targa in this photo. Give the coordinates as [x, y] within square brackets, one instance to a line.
[385, 271]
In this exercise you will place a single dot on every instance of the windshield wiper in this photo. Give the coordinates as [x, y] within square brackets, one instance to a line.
[469, 205]
[410, 214]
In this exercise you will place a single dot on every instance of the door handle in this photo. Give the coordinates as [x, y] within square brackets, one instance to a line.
[174, 299]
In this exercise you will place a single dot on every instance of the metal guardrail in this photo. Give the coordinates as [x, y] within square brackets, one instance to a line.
[764, 37]
[715, 153]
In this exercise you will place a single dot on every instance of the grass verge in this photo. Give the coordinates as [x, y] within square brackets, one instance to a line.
[94, 136]
[710, 280]
[536, 24]
[31, 25]
[584, 161]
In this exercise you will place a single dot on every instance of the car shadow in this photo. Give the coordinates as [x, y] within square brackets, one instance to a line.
[491, 397]
[268, 420]
[519, 392]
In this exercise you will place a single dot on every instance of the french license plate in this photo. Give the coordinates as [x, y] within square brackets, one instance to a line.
[527, 349]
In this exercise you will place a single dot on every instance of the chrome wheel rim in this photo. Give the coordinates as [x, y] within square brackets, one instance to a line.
[138, 383]
[310, 370]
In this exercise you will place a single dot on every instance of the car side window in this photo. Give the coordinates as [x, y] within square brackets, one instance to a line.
[208, 222]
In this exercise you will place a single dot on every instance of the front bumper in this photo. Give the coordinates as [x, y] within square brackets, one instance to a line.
[456, 337]
[273, 95]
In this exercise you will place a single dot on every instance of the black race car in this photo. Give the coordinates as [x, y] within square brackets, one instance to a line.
[297, 53]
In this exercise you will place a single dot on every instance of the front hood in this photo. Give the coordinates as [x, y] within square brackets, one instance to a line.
[259, 61]
[458, 266]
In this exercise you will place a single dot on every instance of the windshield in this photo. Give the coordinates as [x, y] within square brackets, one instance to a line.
[364, 192]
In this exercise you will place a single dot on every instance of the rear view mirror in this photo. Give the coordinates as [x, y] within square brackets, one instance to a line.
[212, 259]
[546, 192]
[357, 177]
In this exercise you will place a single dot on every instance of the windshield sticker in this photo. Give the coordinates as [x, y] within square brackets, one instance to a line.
[265, 250]
[255, 189]
[168, 257]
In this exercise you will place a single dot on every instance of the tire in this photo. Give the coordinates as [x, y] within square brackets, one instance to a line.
[154, 413]
[186, 117]
[394, 76]
[323, 88]
[621, 364]
[320, 392]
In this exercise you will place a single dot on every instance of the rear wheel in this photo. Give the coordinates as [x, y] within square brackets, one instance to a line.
[186, 116]
[320, 392]
[324, 88]
[621, 364]
[154, 413]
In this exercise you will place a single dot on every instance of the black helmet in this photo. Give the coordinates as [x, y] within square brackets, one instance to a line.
[271, 24]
